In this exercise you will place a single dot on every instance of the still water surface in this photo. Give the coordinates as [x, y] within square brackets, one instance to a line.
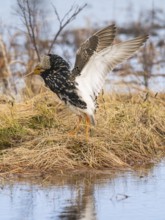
[124, 196]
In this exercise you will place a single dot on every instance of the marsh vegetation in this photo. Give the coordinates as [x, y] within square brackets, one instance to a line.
[34, 127]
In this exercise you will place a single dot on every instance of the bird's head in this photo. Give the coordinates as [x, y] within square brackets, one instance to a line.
[38, 69]
[41, 66]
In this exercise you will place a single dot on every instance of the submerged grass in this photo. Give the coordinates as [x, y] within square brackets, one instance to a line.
[130, 132]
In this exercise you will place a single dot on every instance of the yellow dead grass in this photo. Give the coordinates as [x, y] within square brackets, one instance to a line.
[130, 132]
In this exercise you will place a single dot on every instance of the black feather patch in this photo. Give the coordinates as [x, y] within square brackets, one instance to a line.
[58, 79]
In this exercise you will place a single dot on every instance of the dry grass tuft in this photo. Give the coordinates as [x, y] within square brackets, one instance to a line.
[130, 132]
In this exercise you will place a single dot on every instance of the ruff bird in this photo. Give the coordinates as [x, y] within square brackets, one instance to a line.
[78, 88]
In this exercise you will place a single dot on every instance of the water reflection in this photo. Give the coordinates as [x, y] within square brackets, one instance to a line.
[87, 197]
[81, 207]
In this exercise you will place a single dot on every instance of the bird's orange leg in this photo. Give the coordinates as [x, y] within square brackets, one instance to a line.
[87, 126]
[76, 129]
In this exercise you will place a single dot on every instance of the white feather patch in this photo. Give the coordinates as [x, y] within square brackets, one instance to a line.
[93, 75]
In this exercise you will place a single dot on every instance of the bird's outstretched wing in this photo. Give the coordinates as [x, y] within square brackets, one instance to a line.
[96, 42]
[94, 73]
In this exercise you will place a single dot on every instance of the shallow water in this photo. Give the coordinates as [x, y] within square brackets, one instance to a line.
[123, 196]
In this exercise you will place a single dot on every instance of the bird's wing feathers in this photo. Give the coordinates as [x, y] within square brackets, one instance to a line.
[119, 52]
[94, 73]
[84, 53]
[96, 42]
[105, 37]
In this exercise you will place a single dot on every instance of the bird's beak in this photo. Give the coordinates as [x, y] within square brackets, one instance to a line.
[29, 74]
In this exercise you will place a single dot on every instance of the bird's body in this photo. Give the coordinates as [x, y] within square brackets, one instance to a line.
[59, 81]
[97, 56]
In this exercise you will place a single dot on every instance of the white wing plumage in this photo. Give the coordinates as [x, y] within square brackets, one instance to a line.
[93, 75]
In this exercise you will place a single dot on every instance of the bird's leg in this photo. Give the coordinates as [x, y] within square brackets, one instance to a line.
[76, 129]
[87, 126]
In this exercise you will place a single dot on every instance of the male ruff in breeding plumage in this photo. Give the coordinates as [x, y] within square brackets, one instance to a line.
[96, 57]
